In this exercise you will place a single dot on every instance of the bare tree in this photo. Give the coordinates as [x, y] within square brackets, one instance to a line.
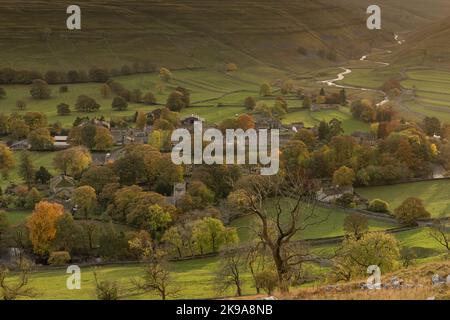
[229, 273]
[106, 289]
[11, 290]
[441, 233]
[157, 279]
[256, 261]
[291, 213]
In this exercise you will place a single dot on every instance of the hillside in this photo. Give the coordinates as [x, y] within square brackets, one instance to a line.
[427, 47]
[416, 285]
[183, 33]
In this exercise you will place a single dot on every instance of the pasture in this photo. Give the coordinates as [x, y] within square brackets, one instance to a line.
[326, 223]
[435, 195]
[215, 96]
[430, 89]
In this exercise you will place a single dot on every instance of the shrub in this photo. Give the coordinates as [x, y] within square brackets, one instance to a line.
[21, 105]
[377, 205]
[410, 211]
[346, 200]
[59, 258]
[266, 280]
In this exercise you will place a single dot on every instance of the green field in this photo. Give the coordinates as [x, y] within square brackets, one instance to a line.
[194, 278]
[431, 88]
[435, 194]
[208, 89]
[329, 224]
[17, 216]
[38, 158]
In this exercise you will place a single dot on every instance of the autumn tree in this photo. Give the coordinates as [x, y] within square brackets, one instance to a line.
[42, 226]
[209, 234]
[63, 109]
[103, 139]
[18, 128]
[250, 103]
[149, 98]
[141, 245]
[265, 90]
[141, 120]
[165, 74]
[432, 126]
[343, 176]
[40, 89]
[32, 198]
[26, 168]
[98, 177]
[410, 211]
[356, 255]
[85, 199]
[119, 104]
[174, 239]
[86, 104]
[105, 91]
[40, 139]
[73, 161]
[356, 225]
[175, 101]
[7, 161]
[307, 102]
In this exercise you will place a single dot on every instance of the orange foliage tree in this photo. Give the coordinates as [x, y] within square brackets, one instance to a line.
[42, 225]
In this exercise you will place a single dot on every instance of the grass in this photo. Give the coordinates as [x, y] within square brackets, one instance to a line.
[194, 278]
[310, 119]
[435, 195]
[17, 216]
[38, 159]
[208, 89]
[431, 86]
[329, 223]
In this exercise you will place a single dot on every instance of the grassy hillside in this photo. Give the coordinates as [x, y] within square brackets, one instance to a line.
[181, 33]
[428, 46]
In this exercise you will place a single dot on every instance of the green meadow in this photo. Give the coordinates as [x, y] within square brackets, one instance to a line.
[326, 222]
[435, 195]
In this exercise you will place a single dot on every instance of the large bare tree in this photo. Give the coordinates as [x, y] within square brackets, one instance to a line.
[440, 231]
[284, 207]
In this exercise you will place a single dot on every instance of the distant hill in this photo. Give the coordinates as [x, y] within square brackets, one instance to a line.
[428, 47]
[286, 34]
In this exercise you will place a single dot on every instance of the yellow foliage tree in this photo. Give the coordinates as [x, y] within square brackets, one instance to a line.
[6, 160]
[42, 226]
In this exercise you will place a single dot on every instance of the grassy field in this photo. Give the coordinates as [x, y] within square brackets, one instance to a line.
[38, 158]
[208, 89]
[431, 87]
[194, 278]
[17, 216]
[435, 194]
[329, 224]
